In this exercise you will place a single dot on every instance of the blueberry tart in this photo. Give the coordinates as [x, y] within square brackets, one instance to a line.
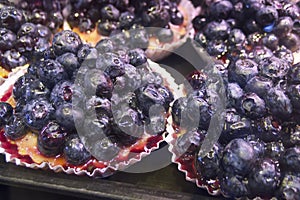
[26, 30]
[157, 26]
[242, 142]
[85, 110]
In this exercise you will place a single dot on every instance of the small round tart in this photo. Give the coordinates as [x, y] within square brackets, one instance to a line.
[141, 24]
[257, 151]
[26, 29]
[94, 119]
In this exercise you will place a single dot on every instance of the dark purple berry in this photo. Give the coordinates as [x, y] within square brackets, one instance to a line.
[11, 18]
[37, 112]
[51, 72]
[266, 15]
[110, 12]
[199, 23]
[264, 178]
[66, 41]
[176, 18]
[238, 157]
[86, 25]
[130, 81]
[16, 128]
[221, 9]
[271, 41]
[216, 47]
[126, 19]
[55, 20]
[69, 116]
[28, 29]
[51, 139]
[69, 62]
[137, 57]
[234, 127]
[153, 94]
[236, 37]
[290, 160]
[61, 93]
[242, 70]
[294, 74]
[39, 16]
[274, 150]
[99, 83]
[105, 28]
[284, 53]
[290, 187]
[105, 149]
[291, 41]
[7, 39]
[111, 64]
[208, 166]
[290, 135]
[6, 112]
[279, 104]
[105, 46]
[259, 85]
[86, 53]
[12, 58]
[294, 94]
[234, 93]
[217, 30]
[25, 44]
[283, 27]
[273, 68]
[197, 79]
[99, 106]
[75, 152]
[43, 31]
[268, 129]
[233, 186]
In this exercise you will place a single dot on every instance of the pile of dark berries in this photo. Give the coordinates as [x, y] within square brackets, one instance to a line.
[111, 17]
[227, 26]
[107, 90]
[26, 30]
[258, 149]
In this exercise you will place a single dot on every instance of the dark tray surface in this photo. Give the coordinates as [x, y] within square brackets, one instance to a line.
[167, 183]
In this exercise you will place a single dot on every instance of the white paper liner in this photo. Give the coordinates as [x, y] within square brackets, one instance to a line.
[97, 172]
[15, 73]
[171, 139]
